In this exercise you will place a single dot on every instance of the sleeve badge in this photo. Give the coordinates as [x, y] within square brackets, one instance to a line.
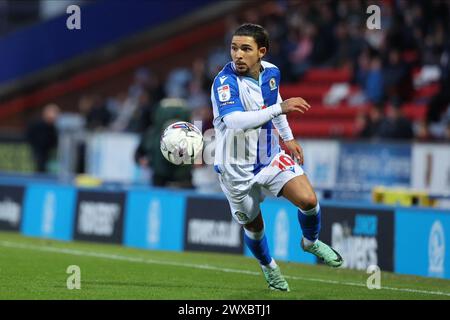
[224, 93]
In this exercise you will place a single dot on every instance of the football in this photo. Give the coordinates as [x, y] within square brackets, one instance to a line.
[181, 143]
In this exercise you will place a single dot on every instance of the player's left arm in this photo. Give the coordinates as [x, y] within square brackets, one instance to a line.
[282, 125]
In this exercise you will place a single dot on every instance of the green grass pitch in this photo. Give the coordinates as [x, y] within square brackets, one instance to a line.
[32, 268]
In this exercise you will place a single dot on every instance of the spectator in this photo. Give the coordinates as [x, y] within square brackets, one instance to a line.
[440, 102]
[124, 107]
[324, 38]
[395, 125]
[437, 106]
[177, 83]
[373, 87]
[140, 83]
[344, 46]
[368, 123]
[276, 57]
[95, 112]
[142, 118]
[361, 68]
[422, 132]
[148, 153]
[146, 81]
[42, 136]
[300, 57]
[396, 77]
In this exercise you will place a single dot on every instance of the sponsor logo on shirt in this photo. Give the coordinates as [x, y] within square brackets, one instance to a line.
[226, 103]
[224, 93]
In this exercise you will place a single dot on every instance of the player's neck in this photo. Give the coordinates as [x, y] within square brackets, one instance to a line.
[256, 71]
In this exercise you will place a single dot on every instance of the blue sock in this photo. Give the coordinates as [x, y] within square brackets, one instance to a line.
[310, 222]
[259, 248]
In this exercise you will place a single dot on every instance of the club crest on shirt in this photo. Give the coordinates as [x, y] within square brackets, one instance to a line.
[224, 93]
[272, 84]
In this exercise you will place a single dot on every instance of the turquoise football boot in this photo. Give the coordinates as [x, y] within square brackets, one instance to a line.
[275, 279]
[325, 253]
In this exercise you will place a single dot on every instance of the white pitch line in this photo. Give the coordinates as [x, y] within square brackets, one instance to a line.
[197, 266]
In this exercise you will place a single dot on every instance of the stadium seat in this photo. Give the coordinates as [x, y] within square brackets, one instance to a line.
[322, 128]
[338, 121]
[327, 76]
[313, 93]
[427, 91]
[415, 112]
[332, 113]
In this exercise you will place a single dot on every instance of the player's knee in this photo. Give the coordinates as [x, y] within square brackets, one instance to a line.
[308, 201]
[257, 225]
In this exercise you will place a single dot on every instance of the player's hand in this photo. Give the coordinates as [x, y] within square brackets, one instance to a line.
[294, 104]
[295, 149]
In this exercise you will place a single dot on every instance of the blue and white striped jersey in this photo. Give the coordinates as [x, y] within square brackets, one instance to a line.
[239, 154]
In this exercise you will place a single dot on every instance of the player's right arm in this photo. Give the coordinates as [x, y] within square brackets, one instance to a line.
[254, 119]
[226, 94]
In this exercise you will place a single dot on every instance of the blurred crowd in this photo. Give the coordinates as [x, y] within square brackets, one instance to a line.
[303, 35]
[414, 36]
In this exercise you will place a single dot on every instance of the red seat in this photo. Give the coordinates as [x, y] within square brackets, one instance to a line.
[322, 128]
[336, 121]
[324, 112]
[328, 75]
[415, 112]
[309, 92]
[427, 91]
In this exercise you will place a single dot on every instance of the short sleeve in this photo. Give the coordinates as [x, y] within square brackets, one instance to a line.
[226, 95]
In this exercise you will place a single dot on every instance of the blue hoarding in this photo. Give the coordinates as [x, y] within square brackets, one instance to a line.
[283, 232]
[155, 220]
[363, 235]
[49, 211]
[422, 242]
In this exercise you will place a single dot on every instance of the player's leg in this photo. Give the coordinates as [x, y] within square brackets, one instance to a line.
[245, 211]
[299, 191]
[256, 241]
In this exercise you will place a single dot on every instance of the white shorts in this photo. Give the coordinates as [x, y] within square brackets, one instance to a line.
[245, 206]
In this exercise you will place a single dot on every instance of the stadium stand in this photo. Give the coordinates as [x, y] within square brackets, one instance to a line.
[323, 50]
[314, 83]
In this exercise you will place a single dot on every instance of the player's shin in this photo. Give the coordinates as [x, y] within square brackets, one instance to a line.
[310, 224]
[257, 243]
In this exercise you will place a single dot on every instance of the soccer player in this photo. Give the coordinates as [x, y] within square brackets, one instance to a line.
[248, 158]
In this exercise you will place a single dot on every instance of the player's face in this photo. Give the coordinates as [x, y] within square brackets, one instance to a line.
[246, 55]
